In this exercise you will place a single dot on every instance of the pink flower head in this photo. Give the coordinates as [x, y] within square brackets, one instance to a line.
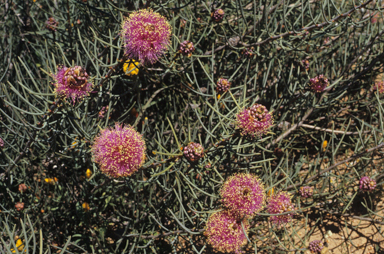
[146, 35]
[224, 233]
[243, 195]
[316, 246]
[254, 121]
[193, 152]
[319, 83]
[51, 24]
[248, 52]
[280, 203]
[306, 191]
[119, 151]
[367, 184]
[186, 48]
[305, 64]
[218, 15]
[1, 143]
[222, 85]
[103, 111]
[72, 83]
[379, 86]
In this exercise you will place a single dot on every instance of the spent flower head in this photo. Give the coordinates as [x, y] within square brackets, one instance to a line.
[119, 151]
[367, 184]
[222, 85]
[186, 48]
[146, 35]
[254, 121]
[193, 152]
[319, 83]
[280, 203]
[243, 195]
[306, 191]
[224, 233]
[218, 15]
[72, 83]
[316, 246]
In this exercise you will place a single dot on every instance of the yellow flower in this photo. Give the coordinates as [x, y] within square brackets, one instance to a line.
[131, 66]
[19, 246]
[88, 173]
[325, 143]
[85, 206]
[51, 181]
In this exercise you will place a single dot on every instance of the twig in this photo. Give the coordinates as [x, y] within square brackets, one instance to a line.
[333, 131]
[294, 127]
[352, 216]
[307, 29]
[335, 165]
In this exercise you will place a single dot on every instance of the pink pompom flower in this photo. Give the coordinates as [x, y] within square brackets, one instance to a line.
[306, 191]
[224, 233]
[72, 83]
[119, 151]
[243, 195]
[316, 246]
[254, 121]
[193, 152]
[367, 184]
[319, 83]
[280, 203]
[146, 35]
[222, 85]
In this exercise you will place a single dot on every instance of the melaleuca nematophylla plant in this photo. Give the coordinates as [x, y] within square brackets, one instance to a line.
[189, 127]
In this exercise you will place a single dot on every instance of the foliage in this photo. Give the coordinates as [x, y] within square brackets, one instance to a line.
[267, 50]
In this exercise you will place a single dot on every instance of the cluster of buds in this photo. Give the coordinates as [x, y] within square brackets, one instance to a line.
[254, 121]
[23, 187]
[222, 85]
[316, 246]
[103, 111]
[367, 184]
[319, 83]
[379, 86]
[193, 152]
[1, 143]
[306, 191]
[19, 206]
[51, 24]
[186, 48]
[305, 64]
[217, 15]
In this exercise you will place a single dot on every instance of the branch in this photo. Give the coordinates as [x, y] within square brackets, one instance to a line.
[335, 165]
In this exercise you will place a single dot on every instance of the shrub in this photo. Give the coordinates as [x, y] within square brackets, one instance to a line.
[299, 107]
